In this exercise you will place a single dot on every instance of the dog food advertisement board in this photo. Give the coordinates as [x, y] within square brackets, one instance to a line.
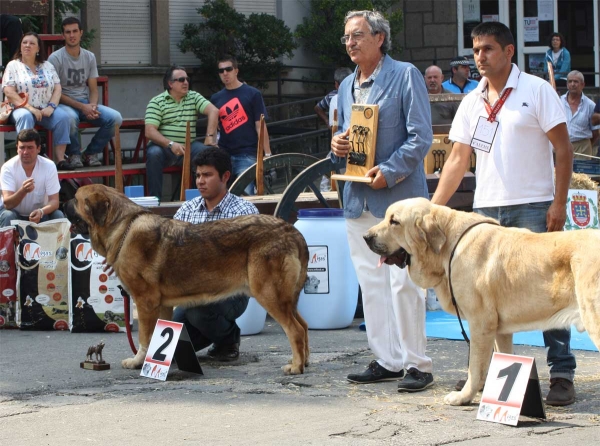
[582, 210]
[95, 303]
[317, 281]
[43, 277]
[8, 278]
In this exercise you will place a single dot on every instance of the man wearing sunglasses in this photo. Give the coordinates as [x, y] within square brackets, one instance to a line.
[240, 107]
[167, 116]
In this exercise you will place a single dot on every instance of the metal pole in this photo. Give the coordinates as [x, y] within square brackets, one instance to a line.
[1, 133]
[51, 30]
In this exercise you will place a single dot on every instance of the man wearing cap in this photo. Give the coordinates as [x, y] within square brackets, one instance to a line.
[459, 81]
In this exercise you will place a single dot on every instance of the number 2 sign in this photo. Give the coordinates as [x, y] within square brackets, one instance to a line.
[512, 388]
[170, 339]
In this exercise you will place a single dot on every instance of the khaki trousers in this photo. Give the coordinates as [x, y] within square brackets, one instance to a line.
[582, 146]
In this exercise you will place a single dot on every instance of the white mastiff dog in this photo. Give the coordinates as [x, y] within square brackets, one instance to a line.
[505, 280]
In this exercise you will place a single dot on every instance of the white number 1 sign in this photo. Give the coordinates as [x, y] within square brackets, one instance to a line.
[512, 388]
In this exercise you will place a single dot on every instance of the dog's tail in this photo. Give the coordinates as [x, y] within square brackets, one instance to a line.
[303, 257]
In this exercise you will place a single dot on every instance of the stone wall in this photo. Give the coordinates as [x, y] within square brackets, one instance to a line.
[430, 33]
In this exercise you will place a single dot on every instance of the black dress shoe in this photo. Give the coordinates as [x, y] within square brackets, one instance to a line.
[375, 373]
[224, 352]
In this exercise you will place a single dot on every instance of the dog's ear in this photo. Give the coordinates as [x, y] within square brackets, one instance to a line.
[415, 236]
[434, 235]
[425, 233]
[98, 209]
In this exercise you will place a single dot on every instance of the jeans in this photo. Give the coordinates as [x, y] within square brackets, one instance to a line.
[7, 215]
[532, 216]
[158, 158]
[214, 322]
[239, 163]
[10, 27]
[107, 121]
[58, 123]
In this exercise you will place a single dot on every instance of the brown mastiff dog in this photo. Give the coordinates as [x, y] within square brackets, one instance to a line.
[505, 280]
[164, 263]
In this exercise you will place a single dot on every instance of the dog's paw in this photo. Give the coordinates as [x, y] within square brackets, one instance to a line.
[131, 363]
[290, 369]
[456, 399]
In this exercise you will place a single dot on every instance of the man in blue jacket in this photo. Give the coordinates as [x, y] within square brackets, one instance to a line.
[394, 306]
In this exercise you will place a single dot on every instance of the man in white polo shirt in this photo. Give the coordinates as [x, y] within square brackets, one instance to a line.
[510, 119]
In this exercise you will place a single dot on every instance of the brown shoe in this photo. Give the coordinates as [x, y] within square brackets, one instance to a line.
[225, 352]
[562, 392]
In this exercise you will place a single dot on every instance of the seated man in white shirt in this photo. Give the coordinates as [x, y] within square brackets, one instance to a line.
[29, 183]
[579, 110]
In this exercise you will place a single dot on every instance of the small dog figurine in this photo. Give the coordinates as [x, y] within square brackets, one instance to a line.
[95, 349]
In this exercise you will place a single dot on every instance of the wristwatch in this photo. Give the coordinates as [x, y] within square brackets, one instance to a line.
[170, 146]
[52, 104]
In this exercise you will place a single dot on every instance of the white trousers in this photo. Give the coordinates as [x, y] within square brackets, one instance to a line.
[393, 305]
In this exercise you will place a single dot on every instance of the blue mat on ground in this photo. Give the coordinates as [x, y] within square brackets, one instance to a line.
[443, 325]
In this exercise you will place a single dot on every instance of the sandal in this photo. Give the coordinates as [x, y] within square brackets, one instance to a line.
[64, 165]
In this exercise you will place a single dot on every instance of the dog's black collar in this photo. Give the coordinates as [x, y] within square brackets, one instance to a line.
[464, 333]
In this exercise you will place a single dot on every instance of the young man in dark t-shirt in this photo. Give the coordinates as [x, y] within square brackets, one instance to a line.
[240, 107]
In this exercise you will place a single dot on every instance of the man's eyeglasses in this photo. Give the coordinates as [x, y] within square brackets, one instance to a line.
[358, 35]
[182, 79]
[223, 70]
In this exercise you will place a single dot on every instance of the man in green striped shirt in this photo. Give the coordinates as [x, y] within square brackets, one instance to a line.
[167, 116]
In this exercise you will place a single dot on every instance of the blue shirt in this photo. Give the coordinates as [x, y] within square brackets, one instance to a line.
[470, 85]
[195, 210]
[239, 110]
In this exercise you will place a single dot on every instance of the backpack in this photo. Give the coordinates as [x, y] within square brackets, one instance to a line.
[68, 188]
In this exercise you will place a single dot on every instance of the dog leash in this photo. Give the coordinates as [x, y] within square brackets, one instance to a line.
[462, 328]
[124, 293]
[128, 323]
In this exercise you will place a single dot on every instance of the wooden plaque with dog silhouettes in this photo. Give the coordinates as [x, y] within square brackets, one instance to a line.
[363, 140]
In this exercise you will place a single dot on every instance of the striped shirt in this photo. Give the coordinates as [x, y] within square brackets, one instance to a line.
[326, 101]
[579, 124]
[171, 118]
[195, 211]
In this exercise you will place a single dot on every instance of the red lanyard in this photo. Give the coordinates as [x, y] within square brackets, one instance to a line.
[492, 112]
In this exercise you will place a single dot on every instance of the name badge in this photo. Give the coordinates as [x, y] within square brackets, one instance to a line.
[485, 132]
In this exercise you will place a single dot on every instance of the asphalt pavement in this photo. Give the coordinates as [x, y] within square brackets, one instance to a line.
[47, 399]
